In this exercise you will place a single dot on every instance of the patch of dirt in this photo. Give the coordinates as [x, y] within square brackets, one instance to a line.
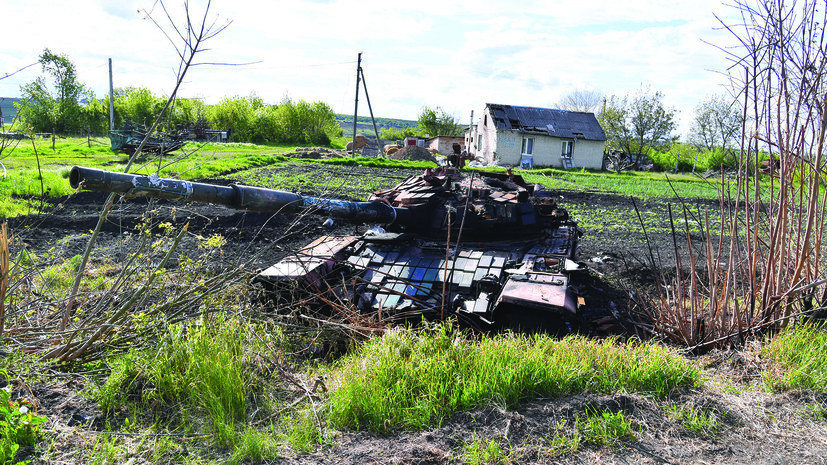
[413, 153]
[757, 427]
[316, 153]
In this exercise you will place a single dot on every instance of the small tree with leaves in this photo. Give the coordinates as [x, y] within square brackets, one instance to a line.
[717, 125]
[436, 122]
[636, 124]
[46, 107]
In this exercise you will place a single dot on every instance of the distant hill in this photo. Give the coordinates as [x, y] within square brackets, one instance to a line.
[9, 112]
[364, 125]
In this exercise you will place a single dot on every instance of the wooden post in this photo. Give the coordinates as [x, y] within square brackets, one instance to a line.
[356, 105]
[111, 99]
[372, 119]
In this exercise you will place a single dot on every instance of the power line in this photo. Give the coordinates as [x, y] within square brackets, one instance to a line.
[21, 69]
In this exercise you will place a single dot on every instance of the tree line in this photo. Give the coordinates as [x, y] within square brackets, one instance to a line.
[431, 122]
[639, 128]
[57, 102]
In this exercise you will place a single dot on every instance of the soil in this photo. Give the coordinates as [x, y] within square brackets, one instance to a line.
[756, 427]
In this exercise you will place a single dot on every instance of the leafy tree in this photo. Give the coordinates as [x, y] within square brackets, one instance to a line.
[137, 105]
[308, 123]
[588, 101]
[717, 124]
[188, 112]
[392, 133]
[55, 107]
[636, 124]
[435, 122]
[95, 115]
[236, 114]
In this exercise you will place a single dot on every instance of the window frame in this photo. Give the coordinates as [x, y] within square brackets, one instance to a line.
[567, 144]
[527, 141]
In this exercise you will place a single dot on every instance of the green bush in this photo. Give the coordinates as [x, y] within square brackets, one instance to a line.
[19, 425]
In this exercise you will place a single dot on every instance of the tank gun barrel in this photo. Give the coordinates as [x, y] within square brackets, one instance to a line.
[234, 196]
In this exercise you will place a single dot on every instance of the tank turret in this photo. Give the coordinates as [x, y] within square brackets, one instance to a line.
[489, 248]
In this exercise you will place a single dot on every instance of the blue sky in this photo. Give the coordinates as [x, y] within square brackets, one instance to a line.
[415, 54]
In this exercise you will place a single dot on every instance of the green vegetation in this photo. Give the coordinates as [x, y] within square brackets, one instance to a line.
[603, 427]
[56, 107]
[705, 422]
[19, 425]
[411, 381]
[798, 357]
[365, 126]
[478, 452]
[639, 184]
[597, 427]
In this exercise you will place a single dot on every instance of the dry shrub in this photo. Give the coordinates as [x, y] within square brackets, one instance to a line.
[763, 265]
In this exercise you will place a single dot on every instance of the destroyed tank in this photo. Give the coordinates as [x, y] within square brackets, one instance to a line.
[487, 248]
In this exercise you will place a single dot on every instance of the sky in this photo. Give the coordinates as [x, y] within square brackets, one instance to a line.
[436, 53]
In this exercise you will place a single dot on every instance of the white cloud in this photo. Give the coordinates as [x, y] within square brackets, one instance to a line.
[430, 52]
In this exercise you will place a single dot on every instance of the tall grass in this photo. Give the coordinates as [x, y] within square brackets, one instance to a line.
[414, 380]
[202, 370]
[798, 359]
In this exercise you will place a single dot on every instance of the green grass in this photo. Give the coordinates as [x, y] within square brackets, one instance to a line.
[408, 380]
[798, 359]
[23, 177]
[256, 446]
[704, 422]
[564, 441]
[630, 183]
[604, 428]
[479, 451]
[597, 427]
[201, 370]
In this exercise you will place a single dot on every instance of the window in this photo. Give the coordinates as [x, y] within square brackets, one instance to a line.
[479, 142]
[528, 146]
[485, 121]
[567, 146]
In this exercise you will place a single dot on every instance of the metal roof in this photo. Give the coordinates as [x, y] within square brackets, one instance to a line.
[547, 121]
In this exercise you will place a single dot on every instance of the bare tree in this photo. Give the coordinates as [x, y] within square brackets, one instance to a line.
[187, 37]
[588, 101]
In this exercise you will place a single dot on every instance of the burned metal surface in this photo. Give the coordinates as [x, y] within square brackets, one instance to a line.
[480, 247]
[489, 248]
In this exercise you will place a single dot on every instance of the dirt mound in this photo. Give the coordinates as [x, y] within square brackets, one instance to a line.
[413, 153]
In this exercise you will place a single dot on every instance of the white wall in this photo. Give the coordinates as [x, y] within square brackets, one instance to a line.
[548, 150]
[504, 147]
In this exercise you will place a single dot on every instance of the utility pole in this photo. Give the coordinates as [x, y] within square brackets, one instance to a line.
[111, 99]
[470, 134]
[356, 105]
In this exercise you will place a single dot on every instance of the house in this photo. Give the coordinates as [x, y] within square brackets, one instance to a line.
[536, 137]
[445, 144]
